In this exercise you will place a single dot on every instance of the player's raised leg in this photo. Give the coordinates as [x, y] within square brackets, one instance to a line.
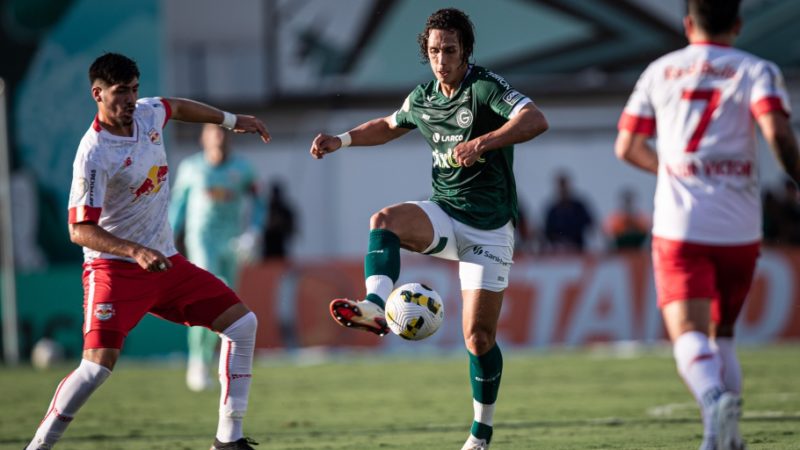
[481, 310]
[237, 328]
[404, 225]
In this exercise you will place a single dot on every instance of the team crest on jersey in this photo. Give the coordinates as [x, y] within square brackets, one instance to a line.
[155, 136]
[464, 117]
[104, 311]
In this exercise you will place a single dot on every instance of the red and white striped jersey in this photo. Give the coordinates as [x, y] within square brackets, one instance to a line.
[701, 103]
[121, 183]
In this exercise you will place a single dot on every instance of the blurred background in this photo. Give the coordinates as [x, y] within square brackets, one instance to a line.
[310, 66]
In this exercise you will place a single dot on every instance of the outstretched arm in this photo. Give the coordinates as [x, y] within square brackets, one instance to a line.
[90, 235]
[634, 149]
[528, 123]
[191, 111]
[778, 133]
[375, 132]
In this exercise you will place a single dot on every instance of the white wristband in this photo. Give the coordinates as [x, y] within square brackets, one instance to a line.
[345, 138]
[228, 120]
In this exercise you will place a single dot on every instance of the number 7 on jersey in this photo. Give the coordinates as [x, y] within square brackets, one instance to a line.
[711, 96]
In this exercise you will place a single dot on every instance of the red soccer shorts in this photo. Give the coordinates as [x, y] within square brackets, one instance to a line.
[117, 294]
[722, 273]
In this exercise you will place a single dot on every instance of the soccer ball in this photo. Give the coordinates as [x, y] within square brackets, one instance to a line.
[414, 311]
[46, 353]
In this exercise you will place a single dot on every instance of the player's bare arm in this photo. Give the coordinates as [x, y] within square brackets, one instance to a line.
[634, 149]
[90, 235]
[375, 132]
[526, 125]
[191, 111]
[779, 135]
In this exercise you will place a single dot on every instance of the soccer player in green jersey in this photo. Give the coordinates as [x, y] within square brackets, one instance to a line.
[471, 118]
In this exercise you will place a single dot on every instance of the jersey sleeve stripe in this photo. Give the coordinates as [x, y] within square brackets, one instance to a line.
[81, 214]
[637, 124]
[767, 104]
[167, 110]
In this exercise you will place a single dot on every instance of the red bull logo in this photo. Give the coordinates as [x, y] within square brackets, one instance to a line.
[156, 177]
[104, 311]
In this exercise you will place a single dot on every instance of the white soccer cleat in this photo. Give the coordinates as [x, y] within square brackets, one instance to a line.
[362, 315]
[727, 412]
[474, 443]
[197, 378]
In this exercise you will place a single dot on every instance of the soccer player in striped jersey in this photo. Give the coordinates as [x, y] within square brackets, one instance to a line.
[702, 103]
[471, 119]
[118, 214]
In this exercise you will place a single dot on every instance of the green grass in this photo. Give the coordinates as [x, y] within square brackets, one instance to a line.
[556, 400]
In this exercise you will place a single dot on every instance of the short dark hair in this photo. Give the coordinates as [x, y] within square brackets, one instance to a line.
[714, 16]
[113, 68]
[448, 19]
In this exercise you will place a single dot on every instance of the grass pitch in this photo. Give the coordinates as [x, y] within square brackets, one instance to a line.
[554, 400]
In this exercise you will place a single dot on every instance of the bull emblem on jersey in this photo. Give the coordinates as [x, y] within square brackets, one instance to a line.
[156, 177]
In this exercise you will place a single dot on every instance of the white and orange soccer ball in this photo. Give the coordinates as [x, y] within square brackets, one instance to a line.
[414, 311]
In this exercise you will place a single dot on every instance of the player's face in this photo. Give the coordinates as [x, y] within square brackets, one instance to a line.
[118, 101]
[446, 56]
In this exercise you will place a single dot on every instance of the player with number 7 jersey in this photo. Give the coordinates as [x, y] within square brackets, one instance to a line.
[702, 103]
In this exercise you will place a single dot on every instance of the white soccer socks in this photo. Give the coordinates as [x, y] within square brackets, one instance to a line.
[71, 394]
[235, 374]
[380, 285]
[731, 369]
[700, 368]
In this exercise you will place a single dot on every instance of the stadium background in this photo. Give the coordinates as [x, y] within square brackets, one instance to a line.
[316, 65]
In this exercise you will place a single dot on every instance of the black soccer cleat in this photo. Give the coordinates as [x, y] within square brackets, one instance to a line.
[242, 444]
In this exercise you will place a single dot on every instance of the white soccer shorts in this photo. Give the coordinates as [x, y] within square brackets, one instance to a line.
[485, 256]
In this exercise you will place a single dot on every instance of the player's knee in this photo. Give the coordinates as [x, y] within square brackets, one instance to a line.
[479, 342]
[381, 220]
[243, 328]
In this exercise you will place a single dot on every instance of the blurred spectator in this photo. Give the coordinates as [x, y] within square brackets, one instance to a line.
[627, 227]
[524, 234]
[280, 226]
[567, 219]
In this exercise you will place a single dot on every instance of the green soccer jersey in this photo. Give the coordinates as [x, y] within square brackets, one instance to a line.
[483, 195]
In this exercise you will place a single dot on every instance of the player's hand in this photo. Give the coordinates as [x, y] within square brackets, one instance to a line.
[467, 153]
[324, 144]
[151, 260]
[250, 124]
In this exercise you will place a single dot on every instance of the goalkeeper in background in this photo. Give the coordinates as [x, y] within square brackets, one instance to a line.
[209, 198]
